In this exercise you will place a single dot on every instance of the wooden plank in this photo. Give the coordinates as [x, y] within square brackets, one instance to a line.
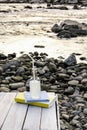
[58, 115]
[2, 94]
[16, 117]
[5, 104]
[49, 121]
[33, 118]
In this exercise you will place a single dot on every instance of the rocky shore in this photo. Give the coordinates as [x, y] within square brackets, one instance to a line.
[65, 77]
[67, 27]
[82, 2]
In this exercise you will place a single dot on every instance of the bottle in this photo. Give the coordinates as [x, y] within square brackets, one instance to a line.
[35, 87]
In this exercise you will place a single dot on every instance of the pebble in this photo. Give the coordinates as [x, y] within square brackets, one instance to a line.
[68, 81]
[73, 82]
[16, 85]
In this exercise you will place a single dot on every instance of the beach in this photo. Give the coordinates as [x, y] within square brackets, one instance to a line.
[21, 28]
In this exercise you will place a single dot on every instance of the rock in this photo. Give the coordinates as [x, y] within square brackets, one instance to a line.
[4, 89]
[62, 76]
[70, 23]
[10, 63]
[78, 78]
[71, 60]
[20, 71]
[11, 56]
[39, 64]
[54, 87]
[62, 125]
[66, 104]
[74, 122]
[52, 80]
[84, 81]
[65, 34]
[22, 89]
[1, 69]
[17, 78]
[79, 100]
[52, 67]
[85, 111]
[73, 82]
[70, 71]
[82, 58]
[45, 69]
[56, 28]
[85, 126]
[75, 112]
[85, 96]
[69, 91]
[5, 81]
[72, 1]
[67, 27]
[39, 46]
[2, 56]
[28, 7]
[62, 8]
[14, 86]
[75, 6]
[65, 116]
[5, 85]
[84, 75]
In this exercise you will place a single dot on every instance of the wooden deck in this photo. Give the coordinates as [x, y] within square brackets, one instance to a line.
[16, 116]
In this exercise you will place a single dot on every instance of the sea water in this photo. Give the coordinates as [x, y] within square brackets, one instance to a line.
[35, 88]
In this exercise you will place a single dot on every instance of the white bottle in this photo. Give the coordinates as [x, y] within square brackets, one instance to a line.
[35, 88]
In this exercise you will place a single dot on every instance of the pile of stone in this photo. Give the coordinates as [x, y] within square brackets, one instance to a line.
[82, 2]
[70, 29]
[65, 77]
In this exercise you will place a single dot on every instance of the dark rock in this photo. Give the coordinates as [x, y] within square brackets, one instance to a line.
[64, 34]
[56, 28]
[52, 80]
[69, 91]
[36, 53]
[71, 60]
[20, 71]
[5, 11]
[2, 56]
[71, 23]
[52, 67]
[75, 6]
[39, 64]
[63, 8]
[39, 46]
[67, 104]
[10, 63]
[62, 76]
[28, 7]
[11, 56]
[82, 58]
[67, 27]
